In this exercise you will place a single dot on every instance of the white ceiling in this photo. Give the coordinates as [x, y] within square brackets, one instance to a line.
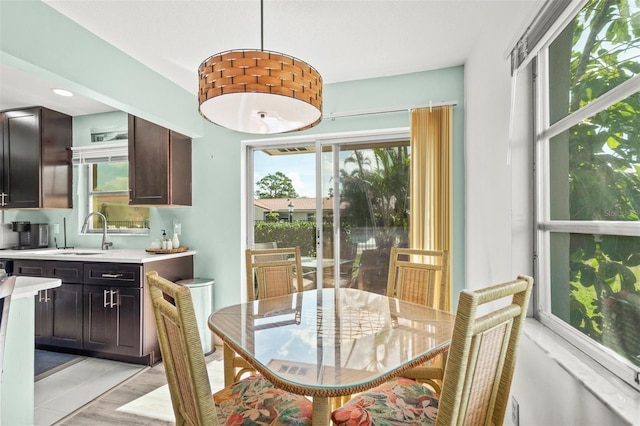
[343, 40]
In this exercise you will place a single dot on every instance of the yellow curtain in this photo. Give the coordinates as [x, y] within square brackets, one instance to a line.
[431, 187]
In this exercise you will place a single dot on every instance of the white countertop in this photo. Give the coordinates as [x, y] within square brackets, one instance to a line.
[92, 255]
[30, 286]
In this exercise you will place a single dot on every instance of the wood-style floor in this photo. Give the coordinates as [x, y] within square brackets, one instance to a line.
[102, 411]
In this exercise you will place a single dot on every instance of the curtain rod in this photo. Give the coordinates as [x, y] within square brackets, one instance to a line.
[388, 109]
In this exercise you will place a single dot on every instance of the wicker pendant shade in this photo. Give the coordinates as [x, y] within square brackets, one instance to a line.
[258, 91]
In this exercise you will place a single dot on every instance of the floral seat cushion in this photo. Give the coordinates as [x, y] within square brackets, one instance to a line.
[397, 402]
[255, 401]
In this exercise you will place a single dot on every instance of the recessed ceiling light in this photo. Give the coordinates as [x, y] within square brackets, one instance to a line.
[62, 92]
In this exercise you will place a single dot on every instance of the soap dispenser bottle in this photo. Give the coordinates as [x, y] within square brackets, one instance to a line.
[169, 244]
[164, 239]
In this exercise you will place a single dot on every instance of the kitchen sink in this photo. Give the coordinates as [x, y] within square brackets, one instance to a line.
[73, 252]
[77, 253]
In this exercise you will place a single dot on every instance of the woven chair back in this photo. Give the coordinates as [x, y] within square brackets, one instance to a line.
[266, 245]
[273, 272]
[182, 353]
[419, 276]
[483, 353]
[6, 290]
[373, 270]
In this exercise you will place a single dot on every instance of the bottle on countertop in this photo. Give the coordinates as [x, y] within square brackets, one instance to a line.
[169, 244]
[164, 239]
[175, 242]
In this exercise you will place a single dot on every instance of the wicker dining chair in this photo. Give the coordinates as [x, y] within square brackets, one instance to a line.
[269, 273]
[373, 270]
[421, 277]
[348, 252]
[7, 286]
[247, 402]
[479, 371]
[273, 272]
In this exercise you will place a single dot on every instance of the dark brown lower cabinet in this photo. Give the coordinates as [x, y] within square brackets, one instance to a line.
[59, 316]
[101, 308]
[43, 317]
[113, 298]
[112, 320]
[58, 311]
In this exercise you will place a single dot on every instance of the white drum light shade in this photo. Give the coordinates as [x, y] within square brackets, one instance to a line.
[258, 91]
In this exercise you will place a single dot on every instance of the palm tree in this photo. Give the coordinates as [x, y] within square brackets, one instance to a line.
[381, 180]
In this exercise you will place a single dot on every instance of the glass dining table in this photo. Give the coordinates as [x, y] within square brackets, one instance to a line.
[331, 342]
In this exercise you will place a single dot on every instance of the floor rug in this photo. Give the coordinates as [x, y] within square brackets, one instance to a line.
[46, 363]
[157, 404]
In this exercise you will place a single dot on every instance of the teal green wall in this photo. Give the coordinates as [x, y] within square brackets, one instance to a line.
[16, 393]
[36, 38]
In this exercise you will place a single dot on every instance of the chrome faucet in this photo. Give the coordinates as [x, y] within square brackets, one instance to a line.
[105, 242]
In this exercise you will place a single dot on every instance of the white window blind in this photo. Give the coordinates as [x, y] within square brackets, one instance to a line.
[101, 153]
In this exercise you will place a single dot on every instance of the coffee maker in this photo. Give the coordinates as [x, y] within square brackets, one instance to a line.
[31, 235]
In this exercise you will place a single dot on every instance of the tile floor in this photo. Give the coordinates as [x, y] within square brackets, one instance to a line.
[108, 409]
[63, 392]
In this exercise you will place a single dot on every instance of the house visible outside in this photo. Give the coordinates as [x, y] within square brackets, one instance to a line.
[302, 209]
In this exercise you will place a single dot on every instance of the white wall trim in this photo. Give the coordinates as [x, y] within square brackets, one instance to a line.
[606, 387]
[327, 138]
[377, 135]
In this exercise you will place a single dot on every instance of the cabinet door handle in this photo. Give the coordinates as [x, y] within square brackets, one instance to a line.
[111, 275]
[2, 199]
[114, 304]
[43, 296]
[104, 293]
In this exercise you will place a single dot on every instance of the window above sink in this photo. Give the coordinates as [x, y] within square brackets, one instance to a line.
[107, 188]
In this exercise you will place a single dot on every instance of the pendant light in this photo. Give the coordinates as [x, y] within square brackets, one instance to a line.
[259, 91]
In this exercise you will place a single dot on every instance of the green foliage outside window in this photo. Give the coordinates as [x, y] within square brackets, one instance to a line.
[285, 234]
[375, 189]
[603, 172]
[298, 233]
[109, 195]
[272, 217]
[275, 185]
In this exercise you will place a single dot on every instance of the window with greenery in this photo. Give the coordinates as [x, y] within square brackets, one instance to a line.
[588, 184]
[109, 195]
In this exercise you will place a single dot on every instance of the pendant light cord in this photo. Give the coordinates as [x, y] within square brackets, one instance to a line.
[261, 26]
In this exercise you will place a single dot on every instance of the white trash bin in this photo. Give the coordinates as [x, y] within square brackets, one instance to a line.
[203, 305]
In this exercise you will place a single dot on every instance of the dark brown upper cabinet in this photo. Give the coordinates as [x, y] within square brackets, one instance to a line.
[35, 148]
[159, 165]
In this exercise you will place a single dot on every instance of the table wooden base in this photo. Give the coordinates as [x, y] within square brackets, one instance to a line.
[321, 411]
[229, 370]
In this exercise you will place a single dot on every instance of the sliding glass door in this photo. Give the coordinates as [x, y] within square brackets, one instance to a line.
[344, 202]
